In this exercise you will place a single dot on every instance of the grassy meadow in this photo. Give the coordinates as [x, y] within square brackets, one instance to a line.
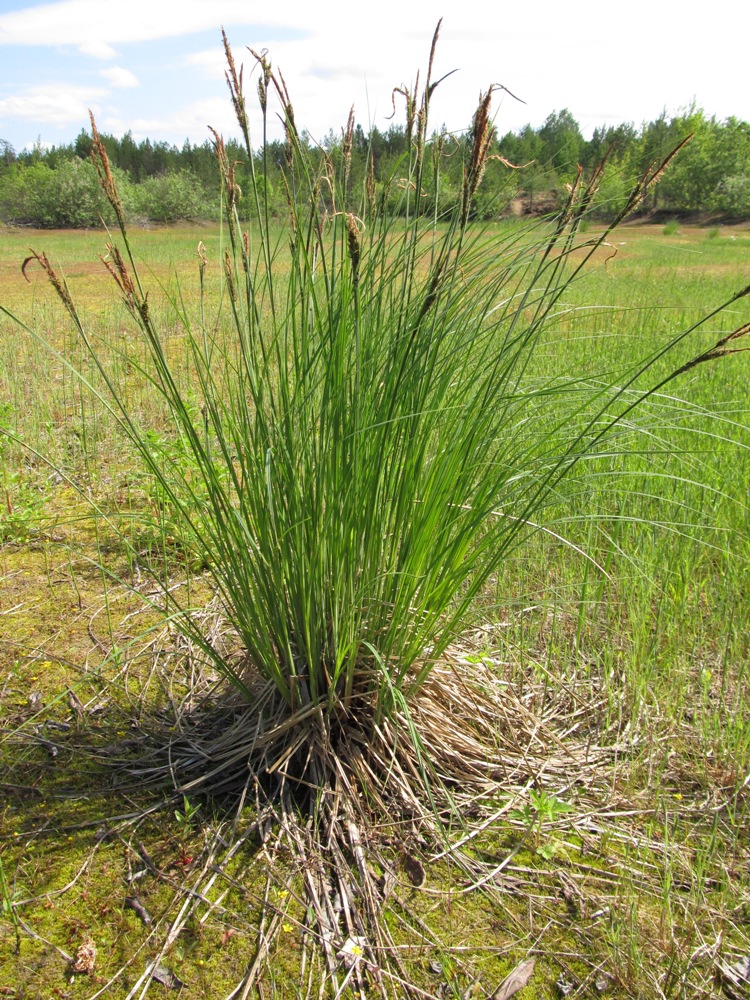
[619, 836]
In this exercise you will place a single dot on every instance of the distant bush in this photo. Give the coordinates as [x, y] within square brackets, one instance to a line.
[68, 196]
[733, 196]
[172, 197]
[167, 184]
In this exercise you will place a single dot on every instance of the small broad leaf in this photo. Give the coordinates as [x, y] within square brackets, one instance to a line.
[167, 978]
[415, 870]
[516, 980]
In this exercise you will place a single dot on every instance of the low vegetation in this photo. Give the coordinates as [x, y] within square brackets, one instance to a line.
[402, 652]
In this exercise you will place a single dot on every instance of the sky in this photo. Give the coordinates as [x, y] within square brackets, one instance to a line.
[156, 67]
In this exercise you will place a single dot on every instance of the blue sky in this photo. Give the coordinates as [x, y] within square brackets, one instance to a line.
[155, 67]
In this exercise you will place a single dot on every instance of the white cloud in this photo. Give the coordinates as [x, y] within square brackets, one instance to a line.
[119, 77]
[212, 62]
[190, 122]
[53, 104]
[335, 54]
[326, 73]
[97, 50]
[97, 23]
[338, 54]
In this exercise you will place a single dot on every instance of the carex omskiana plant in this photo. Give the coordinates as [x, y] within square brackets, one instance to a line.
[372, 441]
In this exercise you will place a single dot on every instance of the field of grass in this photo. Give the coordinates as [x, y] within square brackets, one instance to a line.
[620, 632]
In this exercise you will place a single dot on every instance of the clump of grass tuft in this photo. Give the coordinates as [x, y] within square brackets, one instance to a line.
[371, 442]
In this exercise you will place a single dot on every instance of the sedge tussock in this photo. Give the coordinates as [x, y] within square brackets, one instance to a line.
[370, 444]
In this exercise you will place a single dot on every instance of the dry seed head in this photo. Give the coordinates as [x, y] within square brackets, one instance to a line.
[234, 191]
[432, 292]
[202, 261]
[234, 82]
[414, 97]
[262, 95]
[291, 134]
[137, 304]
[221, 153]
[289, 203]
[229, 275]
[571, 206]
[353, 242]
[428, 88]
[121, 274]
[411, 105]
[232, 69]
[101, 163]
[741, 331]
[265, 76]
[233, 188]
[720, 350]
[346, 145]
[411, 110]
[116, 266]
[57, 283]
[421, 128]
[246, 251]
[482, 134]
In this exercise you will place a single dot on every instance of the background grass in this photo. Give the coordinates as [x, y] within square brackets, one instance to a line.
[647, 648]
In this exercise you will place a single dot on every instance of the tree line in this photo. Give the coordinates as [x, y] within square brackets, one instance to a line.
[529, 171]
